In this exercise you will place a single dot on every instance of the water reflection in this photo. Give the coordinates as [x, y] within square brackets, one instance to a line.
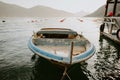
[107, 64]
[45, 70]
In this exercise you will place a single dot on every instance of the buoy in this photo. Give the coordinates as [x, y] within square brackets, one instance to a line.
[80, 20]
[102, 27]
[118, 34]
[3, 21]
[62, 20]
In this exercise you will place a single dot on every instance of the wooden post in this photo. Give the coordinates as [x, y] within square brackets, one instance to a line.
[71, 52]
[106, 8]
[111, 28]
[114, 8]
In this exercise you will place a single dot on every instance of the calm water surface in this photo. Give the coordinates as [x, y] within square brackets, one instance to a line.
[17, 62]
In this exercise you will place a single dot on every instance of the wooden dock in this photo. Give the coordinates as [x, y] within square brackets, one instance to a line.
[112, 37]
[111, 26]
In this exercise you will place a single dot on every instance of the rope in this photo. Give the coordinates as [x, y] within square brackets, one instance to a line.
[65, 74]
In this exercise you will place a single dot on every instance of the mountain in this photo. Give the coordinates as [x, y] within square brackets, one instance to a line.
[98, 13]
[81, 13]
[101, 11]
[47, 12]
[11, 10]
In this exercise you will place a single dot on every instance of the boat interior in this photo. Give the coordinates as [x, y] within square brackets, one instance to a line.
[60, 44]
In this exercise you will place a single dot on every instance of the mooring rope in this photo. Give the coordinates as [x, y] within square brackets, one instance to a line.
[65, 74]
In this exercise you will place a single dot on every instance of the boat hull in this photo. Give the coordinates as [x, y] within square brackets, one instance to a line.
[63, 61]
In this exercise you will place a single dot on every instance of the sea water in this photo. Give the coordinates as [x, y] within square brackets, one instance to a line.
[17, 62]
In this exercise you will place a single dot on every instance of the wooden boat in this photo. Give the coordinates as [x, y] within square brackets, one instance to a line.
[60, 45]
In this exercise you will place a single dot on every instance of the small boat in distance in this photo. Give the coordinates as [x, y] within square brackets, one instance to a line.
[61, 46]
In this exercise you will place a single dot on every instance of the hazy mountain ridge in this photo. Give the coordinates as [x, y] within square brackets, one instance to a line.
[81, 13]
[10, 10]
[46, 11]
[98, 13]
[101, 11]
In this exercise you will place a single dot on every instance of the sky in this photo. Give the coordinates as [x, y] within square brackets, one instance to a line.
[72, 6]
